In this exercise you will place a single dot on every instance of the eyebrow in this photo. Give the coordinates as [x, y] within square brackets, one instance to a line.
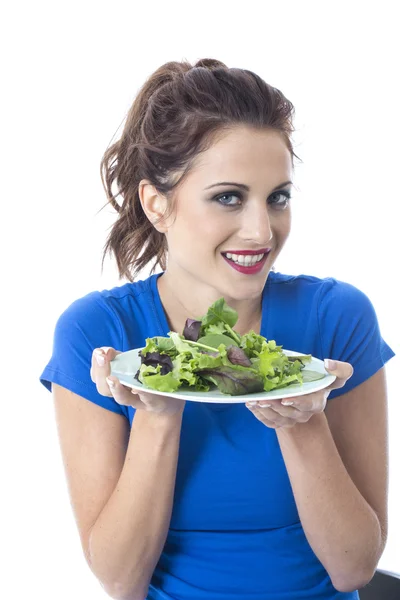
[245, 187]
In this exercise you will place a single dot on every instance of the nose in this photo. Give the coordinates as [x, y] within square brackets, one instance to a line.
[256, 224]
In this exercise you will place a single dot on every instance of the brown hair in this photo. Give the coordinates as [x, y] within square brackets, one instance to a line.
[178, 113]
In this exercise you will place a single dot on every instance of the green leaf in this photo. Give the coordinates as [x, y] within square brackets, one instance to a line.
[252, 344]
[291, 379]
[312, 375]
[151, 378]
[214, 340]
[216, 328]
[205, 361]
[183, 346]
[294, 367]
[270, 383]
[269, 361]
[182, 371]
[160, 344]
[220, 311]
[201, 385]
[303, 358]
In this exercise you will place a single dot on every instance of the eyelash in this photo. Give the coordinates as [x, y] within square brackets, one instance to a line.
[277, 205]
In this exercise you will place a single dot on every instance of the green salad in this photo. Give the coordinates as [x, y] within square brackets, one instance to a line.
[211, 353]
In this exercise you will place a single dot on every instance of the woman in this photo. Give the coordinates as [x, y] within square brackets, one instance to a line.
[279, 500]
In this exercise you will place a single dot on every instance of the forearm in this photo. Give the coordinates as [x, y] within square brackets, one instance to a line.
[340, 526]
[128, 537]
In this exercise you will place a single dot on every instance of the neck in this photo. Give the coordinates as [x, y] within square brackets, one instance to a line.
[181, 302]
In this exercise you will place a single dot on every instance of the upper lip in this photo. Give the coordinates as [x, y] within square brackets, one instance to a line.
[249, 252]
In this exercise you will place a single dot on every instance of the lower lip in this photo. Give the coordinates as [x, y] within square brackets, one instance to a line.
[251, 270]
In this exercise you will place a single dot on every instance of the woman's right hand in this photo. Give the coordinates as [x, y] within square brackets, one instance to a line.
[110, 386]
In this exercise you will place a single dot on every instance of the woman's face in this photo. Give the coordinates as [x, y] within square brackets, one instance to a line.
[211, 219]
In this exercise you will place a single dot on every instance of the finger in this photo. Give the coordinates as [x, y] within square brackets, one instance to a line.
[151, 402]
[285, 414]
[271, 419]
[308, 403]
[261, 415]
[272, 405]
[342, 371]
[122, 393]
[316, 402]
[100, 368]
[287, 411]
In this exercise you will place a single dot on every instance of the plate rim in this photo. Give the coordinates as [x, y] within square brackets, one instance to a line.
[320, 384]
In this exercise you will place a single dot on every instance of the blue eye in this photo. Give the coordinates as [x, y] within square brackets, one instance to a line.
[281, 203]
[278, 200]
[229, 195]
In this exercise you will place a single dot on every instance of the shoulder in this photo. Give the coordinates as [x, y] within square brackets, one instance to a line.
[326, 289]
[107, 317]
[323, 297]
[105, 306]
[328, 318]
[334, 312]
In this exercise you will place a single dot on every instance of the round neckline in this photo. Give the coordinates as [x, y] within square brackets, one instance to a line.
[162, 317]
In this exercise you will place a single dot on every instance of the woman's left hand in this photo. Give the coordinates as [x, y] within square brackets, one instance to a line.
[290, 411]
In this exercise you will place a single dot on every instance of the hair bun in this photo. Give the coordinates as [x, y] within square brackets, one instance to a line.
[210, 63]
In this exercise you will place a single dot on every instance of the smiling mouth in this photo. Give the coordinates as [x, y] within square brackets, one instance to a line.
[246, 260]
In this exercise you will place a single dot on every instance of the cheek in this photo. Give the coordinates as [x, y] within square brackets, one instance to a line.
[201, 229]
[281, 223]
[288, 224]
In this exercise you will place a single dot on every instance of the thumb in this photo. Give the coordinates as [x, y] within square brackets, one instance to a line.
[105, 354]
[341, 370]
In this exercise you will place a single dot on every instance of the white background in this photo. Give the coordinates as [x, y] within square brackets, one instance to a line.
[71, 71]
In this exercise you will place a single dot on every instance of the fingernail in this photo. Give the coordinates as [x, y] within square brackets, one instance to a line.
[287, 403]
[264, 405]
[110, 382]
[101, 361]
[251, 405]
[330, 364]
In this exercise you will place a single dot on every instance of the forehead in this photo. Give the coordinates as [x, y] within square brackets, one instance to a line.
[245, 155]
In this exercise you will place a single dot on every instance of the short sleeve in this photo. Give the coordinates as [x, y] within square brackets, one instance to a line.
[86, 324]
[349, 331]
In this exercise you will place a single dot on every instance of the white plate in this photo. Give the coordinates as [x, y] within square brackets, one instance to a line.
[125, 366]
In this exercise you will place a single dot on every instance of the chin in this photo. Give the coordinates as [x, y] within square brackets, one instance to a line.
[246, 291]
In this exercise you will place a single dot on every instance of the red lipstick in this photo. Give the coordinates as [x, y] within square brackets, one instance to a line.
[249, 252]
[248, 269]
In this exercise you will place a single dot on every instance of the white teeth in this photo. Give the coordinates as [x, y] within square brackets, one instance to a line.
[245, 260]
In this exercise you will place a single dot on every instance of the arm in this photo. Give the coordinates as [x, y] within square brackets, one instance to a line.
[121, 486]
[128, 537]
[337, 464]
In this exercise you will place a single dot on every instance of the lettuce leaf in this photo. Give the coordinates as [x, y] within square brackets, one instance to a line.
[216, 339]
[220, 312]
[151, 377]
[234, 381]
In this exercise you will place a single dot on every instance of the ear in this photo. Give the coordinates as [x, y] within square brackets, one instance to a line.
[154, 205]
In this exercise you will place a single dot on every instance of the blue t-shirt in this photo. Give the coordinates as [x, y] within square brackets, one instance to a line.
[235, 530]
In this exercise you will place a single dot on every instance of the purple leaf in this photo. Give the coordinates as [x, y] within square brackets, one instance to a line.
[155, 358]
[192, 330]
[238, 357]
[231, 381]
